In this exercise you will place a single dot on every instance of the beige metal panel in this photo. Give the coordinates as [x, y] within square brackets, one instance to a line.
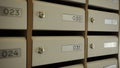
[106, 63]
[47, 50]
[8, 58]
[51, 16]
[102, 45]
[74, 66]
[79, 1]
[112, 4]
[103, 21]
[13, 14]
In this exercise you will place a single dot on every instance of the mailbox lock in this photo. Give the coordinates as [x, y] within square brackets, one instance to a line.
[40, 50]
[92, 20]
[92, 46]
[41, 15]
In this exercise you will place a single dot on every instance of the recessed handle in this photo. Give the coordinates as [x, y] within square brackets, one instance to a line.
[92, 19]
[40, 50]
[92, 46]
[41, 15]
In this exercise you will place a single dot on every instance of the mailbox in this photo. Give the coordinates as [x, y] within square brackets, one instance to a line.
[13, 14]
[103, 21]
[102, 45]
[48, 50]
[12, 52]
[51, 16]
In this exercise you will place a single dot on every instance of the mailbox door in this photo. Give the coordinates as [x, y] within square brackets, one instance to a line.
[12, 52]
[102, 45]
[47, 50]
[13, 14]
[103, 21]
[50, 16]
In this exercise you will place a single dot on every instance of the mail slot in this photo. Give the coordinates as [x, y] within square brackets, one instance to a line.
[106, 63]
[74, 66]
[12, 52]
[103, 21]
[51, 16]
[112, 4]
[102, 45]
[13, 14]
[78, 1]
[48, 50]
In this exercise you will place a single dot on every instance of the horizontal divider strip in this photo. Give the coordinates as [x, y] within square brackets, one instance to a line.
[12, 33]
[58, 33]
[102, 33]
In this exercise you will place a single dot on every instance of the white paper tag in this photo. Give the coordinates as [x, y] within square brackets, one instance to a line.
[111, 66]
[111, 21]
[71, 47]
[74, 18]
[115, 1]
[110, 44]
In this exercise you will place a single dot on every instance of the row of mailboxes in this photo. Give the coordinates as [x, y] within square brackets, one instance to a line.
[47, 50]
[12, 52]
[71, 18]
[53, 49]
[49, 16]
[106, 63]
[111, 4]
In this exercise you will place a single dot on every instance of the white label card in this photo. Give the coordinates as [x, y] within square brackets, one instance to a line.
[115, 1]
[71, 47]
[111, 66]
[110, 44]
[74, 18]
[111, 21]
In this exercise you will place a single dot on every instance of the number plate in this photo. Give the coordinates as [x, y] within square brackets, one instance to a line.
[71, 17]
[8, 11]
[6, 53]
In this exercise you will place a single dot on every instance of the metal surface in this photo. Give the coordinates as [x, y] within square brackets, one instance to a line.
[51, 16]
[112, 4]
[102, 45]
[13, 14]
[106, 63]
[57, 49]
[13, 52]
[103, 21]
